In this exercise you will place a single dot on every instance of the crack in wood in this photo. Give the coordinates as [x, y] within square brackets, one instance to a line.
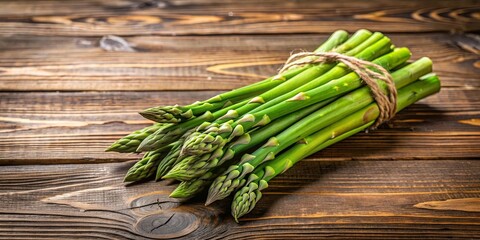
[163, 224]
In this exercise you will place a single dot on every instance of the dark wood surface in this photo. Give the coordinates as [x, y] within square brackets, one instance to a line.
[66, 94]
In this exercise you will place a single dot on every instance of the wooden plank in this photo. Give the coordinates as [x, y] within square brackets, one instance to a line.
[48, 46]
[315, 199]
[30, 63]
[75, 127]
[93, 18]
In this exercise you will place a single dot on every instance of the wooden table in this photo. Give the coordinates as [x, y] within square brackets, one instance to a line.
[67, 94]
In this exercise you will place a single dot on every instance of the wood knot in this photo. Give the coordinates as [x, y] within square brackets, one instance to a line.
[168, 224]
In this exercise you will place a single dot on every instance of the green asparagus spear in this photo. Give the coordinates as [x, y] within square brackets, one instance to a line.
[177, 114]
[147, 166]
[131, 142]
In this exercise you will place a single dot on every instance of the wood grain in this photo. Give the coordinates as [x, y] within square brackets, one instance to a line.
[368, 199]
[72, 127]
[464, 204]
[121, 17]
[191, 63]
[69, 87]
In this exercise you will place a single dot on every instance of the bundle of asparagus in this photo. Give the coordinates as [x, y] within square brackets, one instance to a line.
[240, 140]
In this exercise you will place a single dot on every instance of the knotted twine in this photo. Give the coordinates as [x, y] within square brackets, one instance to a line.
[387, 102]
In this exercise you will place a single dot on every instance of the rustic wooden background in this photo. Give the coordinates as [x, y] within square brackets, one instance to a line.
[66, 94]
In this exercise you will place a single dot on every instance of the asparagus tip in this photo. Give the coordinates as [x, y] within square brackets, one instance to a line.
[210, 200]
[176, 194]
[214, 196]
[148, 115]
[129, 178]
[112, 148]
[142, 146]
[177, 175]
[168, 176]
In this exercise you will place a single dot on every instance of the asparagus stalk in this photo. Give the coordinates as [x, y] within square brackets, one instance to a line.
[131, 142]
[191, 167]
[216, 136]
[246, 198]
[168, 161]
[341, 108]
[171, 158]
[176, 114]
[147, 166]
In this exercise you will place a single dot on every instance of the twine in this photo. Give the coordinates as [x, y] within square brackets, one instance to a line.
[387, 102]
